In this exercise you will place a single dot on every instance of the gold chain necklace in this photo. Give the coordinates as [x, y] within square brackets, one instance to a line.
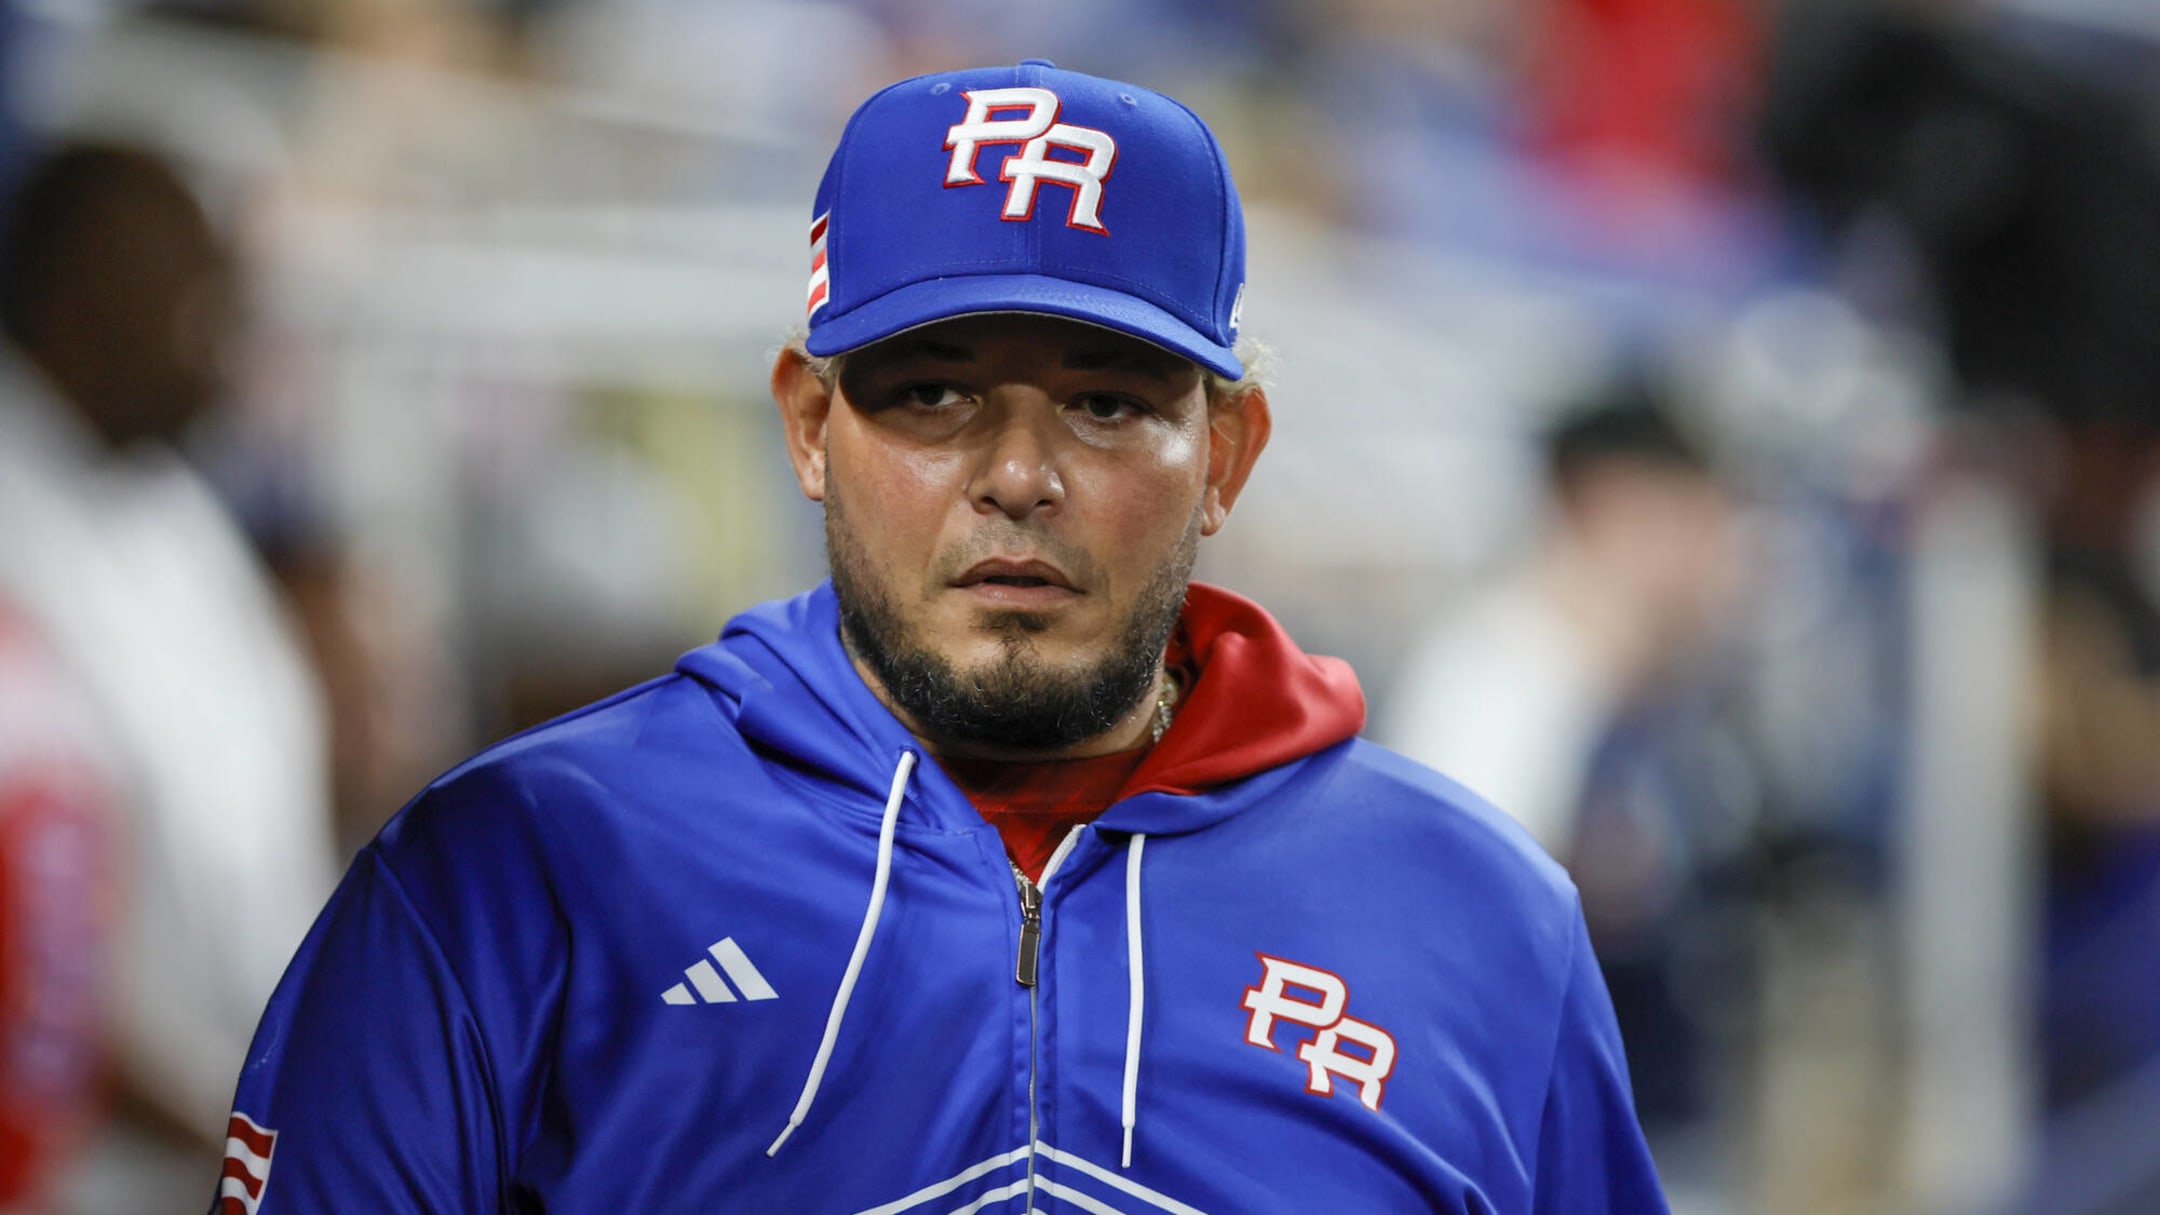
[1166, 698]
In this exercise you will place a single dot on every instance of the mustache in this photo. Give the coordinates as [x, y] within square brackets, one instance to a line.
[1007, 540]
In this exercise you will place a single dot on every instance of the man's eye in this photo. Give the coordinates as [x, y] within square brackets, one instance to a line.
[1104, 407]
[929, 396]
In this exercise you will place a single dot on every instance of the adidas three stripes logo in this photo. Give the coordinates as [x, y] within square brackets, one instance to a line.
[710, 988]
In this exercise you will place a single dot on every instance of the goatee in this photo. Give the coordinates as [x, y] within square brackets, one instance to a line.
[1016, 701]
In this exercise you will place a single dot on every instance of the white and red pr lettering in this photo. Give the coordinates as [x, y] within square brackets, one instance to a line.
[1325, 1057]
[1273, 998]
[981, 127]
[1315, 998]
[1037, 130]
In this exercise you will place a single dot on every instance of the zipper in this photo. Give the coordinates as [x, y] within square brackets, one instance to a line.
[1026, 972]
[1030, 958]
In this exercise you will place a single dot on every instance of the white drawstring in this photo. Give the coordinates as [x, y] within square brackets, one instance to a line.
[1136, 990]
[862, 950]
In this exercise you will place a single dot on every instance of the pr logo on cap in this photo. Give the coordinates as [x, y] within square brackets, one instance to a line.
[1036, 133]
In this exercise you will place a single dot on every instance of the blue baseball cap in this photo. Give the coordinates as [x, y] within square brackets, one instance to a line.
[1028, 189]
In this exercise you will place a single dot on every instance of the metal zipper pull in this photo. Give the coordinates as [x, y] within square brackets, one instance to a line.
[1030, 929]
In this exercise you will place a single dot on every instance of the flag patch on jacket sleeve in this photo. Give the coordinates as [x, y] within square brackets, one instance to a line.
[248, 1148]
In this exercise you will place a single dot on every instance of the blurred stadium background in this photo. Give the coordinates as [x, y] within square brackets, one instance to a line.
[1721, 430]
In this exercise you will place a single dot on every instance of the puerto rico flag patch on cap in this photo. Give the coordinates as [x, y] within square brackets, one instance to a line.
[247, 1165]
[820, 273]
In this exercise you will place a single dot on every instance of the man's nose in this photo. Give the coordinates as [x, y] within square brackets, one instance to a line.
[1017, 469]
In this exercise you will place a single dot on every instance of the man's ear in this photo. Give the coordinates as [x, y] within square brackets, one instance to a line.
[1238, 430]
[806, 404]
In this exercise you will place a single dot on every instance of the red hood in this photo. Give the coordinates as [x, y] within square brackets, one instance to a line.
[1253, 700]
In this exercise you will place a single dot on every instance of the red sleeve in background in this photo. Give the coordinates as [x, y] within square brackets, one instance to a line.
[56, 890]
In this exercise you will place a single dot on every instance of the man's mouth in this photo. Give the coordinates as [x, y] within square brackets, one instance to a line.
[1018, 575]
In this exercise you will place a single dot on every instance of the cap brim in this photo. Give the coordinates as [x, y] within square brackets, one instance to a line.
[942, 299]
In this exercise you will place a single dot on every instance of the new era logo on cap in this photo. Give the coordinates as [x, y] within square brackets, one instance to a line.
[1144, 233]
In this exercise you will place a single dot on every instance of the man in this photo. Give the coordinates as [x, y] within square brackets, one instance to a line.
[115, 308]
[1006, 872]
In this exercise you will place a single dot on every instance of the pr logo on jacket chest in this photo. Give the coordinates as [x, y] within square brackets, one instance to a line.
[1340, 1045]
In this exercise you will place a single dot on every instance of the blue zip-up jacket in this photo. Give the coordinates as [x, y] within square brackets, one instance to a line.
[606, 965]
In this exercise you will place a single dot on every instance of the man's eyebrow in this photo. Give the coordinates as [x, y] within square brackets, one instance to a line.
[1100, 360]
[942, 352]
[902, 353]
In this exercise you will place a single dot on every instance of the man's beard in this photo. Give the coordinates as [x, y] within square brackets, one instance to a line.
[1015, 701]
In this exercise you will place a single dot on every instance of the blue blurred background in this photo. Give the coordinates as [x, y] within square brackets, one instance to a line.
[1724, 432]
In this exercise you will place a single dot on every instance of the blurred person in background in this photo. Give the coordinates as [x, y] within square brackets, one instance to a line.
[2100, 743]
[1625, 587]
[1572, 692]
[117, 300]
